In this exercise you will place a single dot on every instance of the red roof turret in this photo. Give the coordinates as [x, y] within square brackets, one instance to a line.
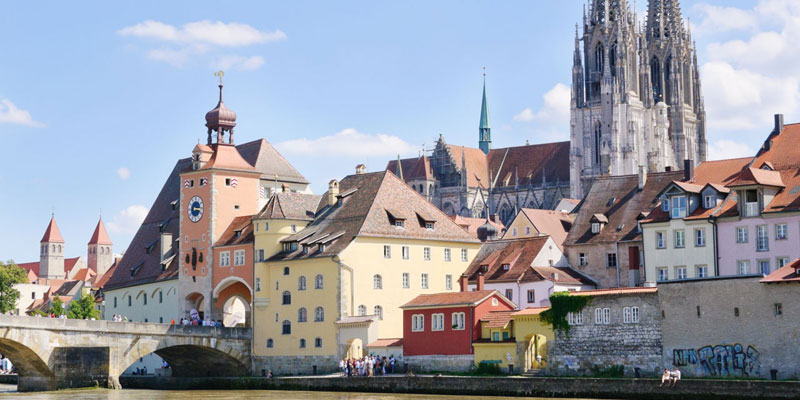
[100, 236]
[52, 234]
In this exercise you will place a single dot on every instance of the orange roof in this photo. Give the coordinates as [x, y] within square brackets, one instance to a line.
[226, 156]
[784, 151]
[394, 342]
[615, 291]
[553, 223]
[471, 225]
[100, 236]
[719, 171]
[757, 176]
[84, 274]
[787, 273]
[52, 234]
[452, 299]
[530, 311]
[475, 162]
[69, 263]
[99, 283]
[497, 319]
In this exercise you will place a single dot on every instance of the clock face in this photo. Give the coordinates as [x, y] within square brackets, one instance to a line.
[195, 208]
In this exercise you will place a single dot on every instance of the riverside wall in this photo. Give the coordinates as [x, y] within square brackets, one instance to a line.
[644, 389]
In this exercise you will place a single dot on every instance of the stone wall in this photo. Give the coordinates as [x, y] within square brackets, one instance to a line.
[595, 267]
[440, 363]
[729, 327]
[591, 346]
[295, 365]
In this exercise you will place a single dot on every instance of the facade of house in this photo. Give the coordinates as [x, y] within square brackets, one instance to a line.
[516, 341]
[337, 284]
[530, 222]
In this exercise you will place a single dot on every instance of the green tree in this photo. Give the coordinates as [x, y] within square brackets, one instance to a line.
[56, 306]
[84, 308]
[10, 274]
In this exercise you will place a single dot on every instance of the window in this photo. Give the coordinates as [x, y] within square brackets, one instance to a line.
[224, 258]
[387, 251]
[513, 231]
[429, 226]
[406, 283]
[318, 342]
[531, 296]
[509, 293]
[678, 207]
[258, 284]
[494, 302]
[464, 257]
[743, 267]
[664, 204]
[424, 281]
[582, 259]
[630, 315]
[702, 271]
[378, 311]
[417, 323]
[129, 301]
[287, 328]
[457, 320]
[680, 272]
[595, 227]
[377, 282]
[699, 237]
[238, 257]
[426, 253]
[527, 230]
[741, 234]
[611, 260]
[575, 318]
[448, 282]
[301, 283]
[270, 343]
[710, 201]
[602, 316]
[302, 315]
[302, 343]
[762, 238]
[506, 267]
[778, 309]
[319, 314]
[680, 239]
[144, 299]
[660, 244]
[447, 254]
[160, 297]
[362, 310]
[781, 231]
[735, 311]
[260, 254]
[437, 322]
[318, 282]
[782, 261]
[266, 226]
[115, 302]
[406, 252]
[662, 274]
[287, 297]
[294, 228]
[763, 267]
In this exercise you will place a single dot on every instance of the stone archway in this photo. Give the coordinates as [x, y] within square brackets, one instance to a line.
[195, 301]
[235, 312]
[355, 349]
[188, 357]
[536, 352]
[33, 372]
[231, 296]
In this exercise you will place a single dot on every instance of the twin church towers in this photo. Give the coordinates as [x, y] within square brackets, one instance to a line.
[636, 99]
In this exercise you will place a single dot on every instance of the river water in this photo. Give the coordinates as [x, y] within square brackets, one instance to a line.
[130, 394]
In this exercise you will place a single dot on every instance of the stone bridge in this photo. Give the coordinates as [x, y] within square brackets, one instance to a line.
[65, 353]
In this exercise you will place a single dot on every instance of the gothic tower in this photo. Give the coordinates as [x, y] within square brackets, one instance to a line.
[484, 130]
[100, 254]
[51, 255]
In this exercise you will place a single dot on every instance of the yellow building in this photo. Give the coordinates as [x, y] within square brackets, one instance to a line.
[514, 338]
[336, 285]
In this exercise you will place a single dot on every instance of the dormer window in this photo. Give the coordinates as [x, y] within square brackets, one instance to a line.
[429, 226]
[399, 223]
[595, 227]
[678, 207]
[305, 249]
[710, 201]
[237, 234]
[506, 267]
[290, 246]
[322, 247]
[484, 268]
[665, 204]
[751, 208]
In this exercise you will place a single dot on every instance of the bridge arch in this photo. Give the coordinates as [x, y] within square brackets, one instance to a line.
[191, 357]
[32, 370]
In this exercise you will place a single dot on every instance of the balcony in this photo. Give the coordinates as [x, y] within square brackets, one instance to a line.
[751, 209]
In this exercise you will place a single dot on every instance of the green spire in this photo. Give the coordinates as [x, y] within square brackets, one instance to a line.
[484, 130]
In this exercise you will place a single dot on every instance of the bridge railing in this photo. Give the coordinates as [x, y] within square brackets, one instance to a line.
[137, 328]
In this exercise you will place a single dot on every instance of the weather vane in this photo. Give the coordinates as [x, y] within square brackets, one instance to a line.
[219, 74]
[484, 71]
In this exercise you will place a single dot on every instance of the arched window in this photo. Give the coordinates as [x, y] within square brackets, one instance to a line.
[318, 342]
[160, 296]
[687, 82]
[319, 314]
[270, 343]
[287, 298]
[377, 282]
[286, 270]
[301, 283]
[598, 140]
[599, 58]
[318, 282]
[54, 248]
[302, 315]
[144, 298]
[59, 248]
[378, 311]
[362, 310]
[612, 59]
[667, 79]
[302, 343]
[655, 77]
[287, 328]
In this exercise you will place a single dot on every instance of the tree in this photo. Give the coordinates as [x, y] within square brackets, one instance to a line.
[10, 274]
[56, 306]
[83, 308]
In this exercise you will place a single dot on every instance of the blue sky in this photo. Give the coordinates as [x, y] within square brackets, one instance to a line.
[97, 101]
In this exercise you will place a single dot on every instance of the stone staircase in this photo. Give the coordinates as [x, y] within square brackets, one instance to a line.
[533, 373]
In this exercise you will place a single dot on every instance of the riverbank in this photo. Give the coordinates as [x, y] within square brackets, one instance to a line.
[644, 389]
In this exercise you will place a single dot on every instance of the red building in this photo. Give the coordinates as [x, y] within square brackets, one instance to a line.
[448, 323]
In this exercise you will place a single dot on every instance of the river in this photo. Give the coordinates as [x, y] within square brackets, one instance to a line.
[129, 394]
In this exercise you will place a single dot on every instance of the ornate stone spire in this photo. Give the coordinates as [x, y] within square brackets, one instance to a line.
[484, 130]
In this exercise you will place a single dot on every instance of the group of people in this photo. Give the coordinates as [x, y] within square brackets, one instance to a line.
[367, 366]
[119, 318]
[671, 378]
[199, 322]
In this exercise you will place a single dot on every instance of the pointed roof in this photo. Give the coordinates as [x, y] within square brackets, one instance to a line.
[100, 236]
[226, 156]
[52, 234]
[484, 108]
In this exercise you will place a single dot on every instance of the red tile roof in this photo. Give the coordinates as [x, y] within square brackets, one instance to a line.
[556, 224]
[533, 164]
[33, 267]
[288, 205]
[395, 342]
[453, 299]
[757, 176]
[497, 319]
[530, 311]
[413, 169]
[784, 152]
[240, 231]
[517, 253]
[226, 156]
[100, 236]
[719, 171]
[787, 273]
[52, 234]
[475, 162]
[471, 225]
[614, 291]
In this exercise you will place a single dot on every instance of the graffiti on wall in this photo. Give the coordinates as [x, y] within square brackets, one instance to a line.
[720, 360]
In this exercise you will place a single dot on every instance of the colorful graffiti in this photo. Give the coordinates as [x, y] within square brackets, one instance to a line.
[720, 360]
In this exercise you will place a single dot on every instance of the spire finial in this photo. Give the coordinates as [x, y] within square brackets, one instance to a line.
[219, 74]
[484, 71]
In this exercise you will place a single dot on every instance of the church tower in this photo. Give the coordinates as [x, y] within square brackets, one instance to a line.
[484, 130]
[51, 257]
[100, 254]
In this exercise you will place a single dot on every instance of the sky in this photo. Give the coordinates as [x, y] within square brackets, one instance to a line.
[99, 99]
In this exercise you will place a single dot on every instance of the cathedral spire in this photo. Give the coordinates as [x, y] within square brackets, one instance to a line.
[484, 130]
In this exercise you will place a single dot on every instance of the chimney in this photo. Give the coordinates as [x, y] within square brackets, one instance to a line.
[642, 177]
[463, 281]
[360, 169]
[333, 191]
[480, 283]
[778, 123]
[494, 217]
[688, 170]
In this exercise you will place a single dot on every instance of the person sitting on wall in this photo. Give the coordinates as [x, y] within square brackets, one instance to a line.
[675, 376]
[665, 377]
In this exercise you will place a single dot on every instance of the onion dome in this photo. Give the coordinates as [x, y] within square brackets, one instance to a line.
[487, 231]
[221, 116]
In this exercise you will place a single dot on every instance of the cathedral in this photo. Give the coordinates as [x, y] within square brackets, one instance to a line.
[636, 98]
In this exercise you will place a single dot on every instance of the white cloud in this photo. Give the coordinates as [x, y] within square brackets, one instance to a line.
[239, 62]
[10, 114]
[718, 19]
[128, 220]
[349, 143]
[555, 108]
[724, 149]
[124, 173]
